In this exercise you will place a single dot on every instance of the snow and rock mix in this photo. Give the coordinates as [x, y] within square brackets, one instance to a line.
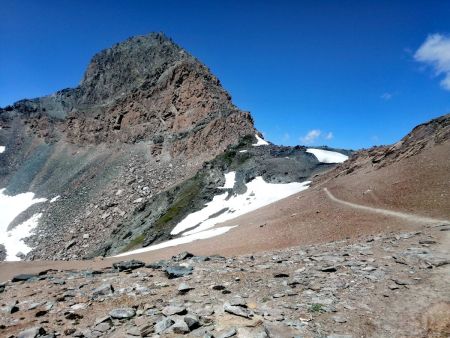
[224, 207]
[260, 141]
[326, 156]
[10, 208]
[181, 240]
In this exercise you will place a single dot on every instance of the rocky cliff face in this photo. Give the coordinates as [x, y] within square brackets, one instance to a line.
[144, 89]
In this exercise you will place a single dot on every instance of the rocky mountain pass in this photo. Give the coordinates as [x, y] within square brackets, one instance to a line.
[144, 203]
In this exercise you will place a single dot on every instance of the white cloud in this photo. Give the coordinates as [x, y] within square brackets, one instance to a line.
[329, 136]
[386, 96]
[311, 136]
[435, 52]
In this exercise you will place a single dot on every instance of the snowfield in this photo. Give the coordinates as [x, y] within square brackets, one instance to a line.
[2, 149]
[181, 240]
[326, 156]
[260, 142]
[10, 208]
[224, 207]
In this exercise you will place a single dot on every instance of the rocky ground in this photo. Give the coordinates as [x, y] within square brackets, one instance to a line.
[388, 285]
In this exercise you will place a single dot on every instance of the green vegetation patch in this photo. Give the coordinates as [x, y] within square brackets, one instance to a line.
[135, 243]
[316, 308]
[188, 192]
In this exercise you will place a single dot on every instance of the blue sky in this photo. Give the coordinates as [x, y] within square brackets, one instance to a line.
[343, 73]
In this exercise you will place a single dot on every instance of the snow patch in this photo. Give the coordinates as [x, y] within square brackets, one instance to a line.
[243, 151]
[13, 240]
[223, 208]
[326, 156]
[182, 240]
[54, 199]
[260, 142]
[10, 208]
[230, 179]
[2, 149]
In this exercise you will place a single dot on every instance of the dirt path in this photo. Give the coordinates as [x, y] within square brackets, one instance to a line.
[405, 216]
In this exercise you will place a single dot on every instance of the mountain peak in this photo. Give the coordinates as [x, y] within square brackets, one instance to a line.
[146, 88]
[117, 70]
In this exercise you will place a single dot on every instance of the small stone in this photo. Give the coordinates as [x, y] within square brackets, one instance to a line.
[32, 332]
[238, 301]
[147, 330]
[134, 331]
[103, 290]
[339, 319]
[122, 313]
[58, 281]
[401, 281]
[12, 309]
[158, 265]
[41, 313]
[174, 310]
[180, 326]
[163, 325]
[236, 310]
[281, 275]
[369, 268]
[427, 241]
[85, 236]
[103, 327]
[184, 288]
[192, 321]
[70, 244]
[228, 333]
[128, 265]
[72, 315]
[182, 256]
[23, 277]
[177, 271]
[329, 269]
[102, 320]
